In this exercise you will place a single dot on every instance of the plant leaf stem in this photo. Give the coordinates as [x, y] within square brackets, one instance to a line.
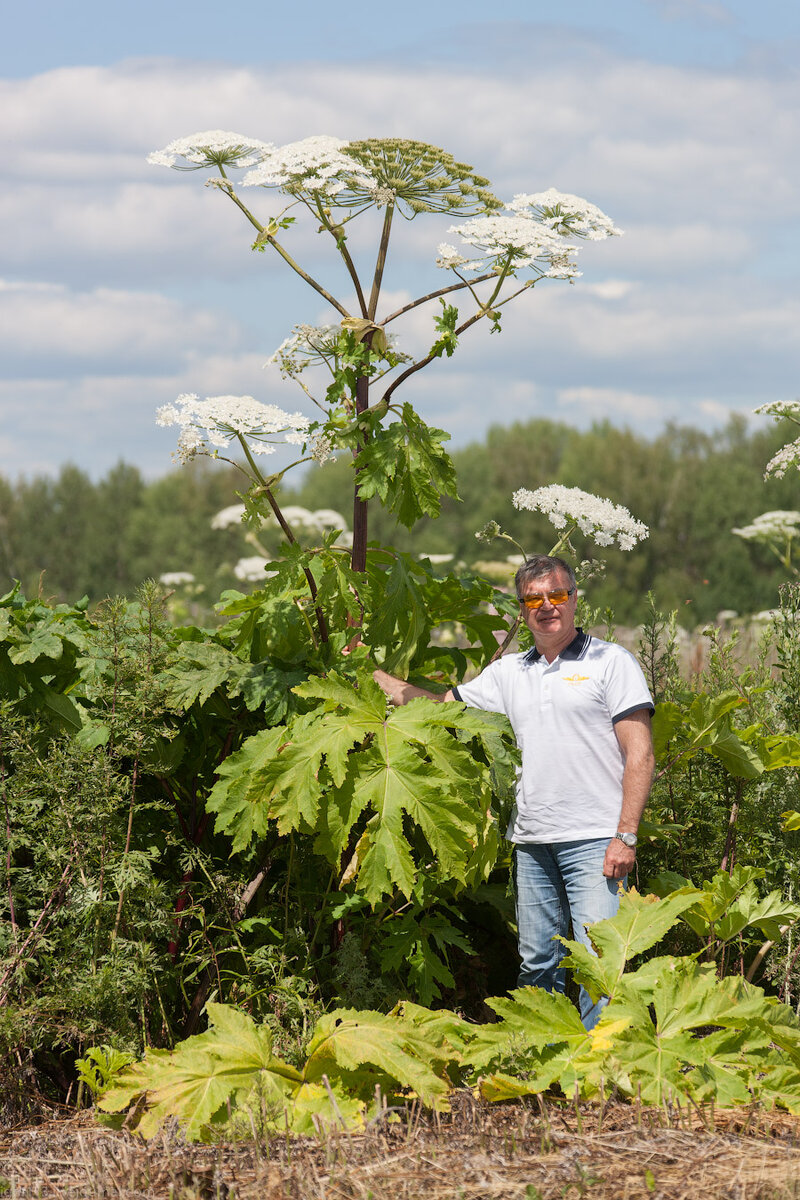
[14, 931]
[380, 265]
[279, 517]
[341, 246]
[270, 238]
[453, 287]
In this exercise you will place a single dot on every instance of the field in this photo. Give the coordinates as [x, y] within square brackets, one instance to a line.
[477, 1152]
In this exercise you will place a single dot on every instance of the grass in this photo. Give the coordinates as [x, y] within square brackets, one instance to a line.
[519, 1151]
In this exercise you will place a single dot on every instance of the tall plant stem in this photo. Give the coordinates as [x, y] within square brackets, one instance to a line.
[453, 287]
[341, 245]
[129, 832]
[11, 912]
[730, 840]
[322, 624]
[358, 558]
[56, 898]
[423, 362]
[381, 263]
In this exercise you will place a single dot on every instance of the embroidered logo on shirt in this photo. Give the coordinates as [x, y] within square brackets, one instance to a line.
[575, 678]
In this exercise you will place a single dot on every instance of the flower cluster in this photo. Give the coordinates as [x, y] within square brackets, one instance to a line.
[788, 455]
[314, 165]
[525, 241]
[307, 345]
[176, 578]
[232, 515]
[565, 214]
[531, 233]
[449, 257]
[252, 569]
[217, 420]
[771, 526]
[213, 148]
[599, 519]
[417, 177]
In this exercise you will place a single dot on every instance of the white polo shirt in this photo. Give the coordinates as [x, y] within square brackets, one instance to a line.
[563, 715]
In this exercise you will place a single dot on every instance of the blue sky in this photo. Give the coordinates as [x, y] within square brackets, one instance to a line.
[122, 285]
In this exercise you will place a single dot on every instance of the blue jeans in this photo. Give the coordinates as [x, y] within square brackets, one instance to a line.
[558, 883]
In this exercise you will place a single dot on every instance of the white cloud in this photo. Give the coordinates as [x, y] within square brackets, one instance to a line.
[118, 329]
[152, 288]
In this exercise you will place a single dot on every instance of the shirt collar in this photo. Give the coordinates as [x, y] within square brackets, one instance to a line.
[576, 649]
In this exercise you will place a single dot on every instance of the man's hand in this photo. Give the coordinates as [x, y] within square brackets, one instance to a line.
[619, 859]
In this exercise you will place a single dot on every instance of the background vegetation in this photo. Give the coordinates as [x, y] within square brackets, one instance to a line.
[690, 488]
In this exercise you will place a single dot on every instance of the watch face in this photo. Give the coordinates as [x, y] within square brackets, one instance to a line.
[628, 838]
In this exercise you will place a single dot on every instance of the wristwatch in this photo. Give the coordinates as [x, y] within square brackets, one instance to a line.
[629, 839]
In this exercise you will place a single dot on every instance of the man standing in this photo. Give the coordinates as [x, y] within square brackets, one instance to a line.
[580, 711]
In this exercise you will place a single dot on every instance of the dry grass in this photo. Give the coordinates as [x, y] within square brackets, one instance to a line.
[479, 1152]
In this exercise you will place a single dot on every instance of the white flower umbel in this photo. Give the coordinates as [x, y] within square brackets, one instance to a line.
[526, 242]
[213, 148]
[565, 214]
[217, 420]
[306, 345]
[252, 569]
[449, 257]
[226, 517]
[315, 165]
[600, 519]
[788, 455]
[176, 578]
[771, 526]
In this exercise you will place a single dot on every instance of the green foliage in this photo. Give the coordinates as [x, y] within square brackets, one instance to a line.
[672, 1031]
[406, 467]
[99, 1068]
[383, 773]
[232, 1066]
[445, 324]
[729, 904]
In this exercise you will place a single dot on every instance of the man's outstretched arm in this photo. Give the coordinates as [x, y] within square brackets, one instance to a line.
[636, 743]
[400, 691]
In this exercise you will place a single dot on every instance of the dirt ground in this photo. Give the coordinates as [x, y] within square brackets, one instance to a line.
[520, 1151]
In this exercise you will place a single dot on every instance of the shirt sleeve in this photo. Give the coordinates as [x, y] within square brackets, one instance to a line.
[484, 691]
[626, 687]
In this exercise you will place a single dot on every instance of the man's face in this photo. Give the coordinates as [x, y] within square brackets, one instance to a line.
[551, 622]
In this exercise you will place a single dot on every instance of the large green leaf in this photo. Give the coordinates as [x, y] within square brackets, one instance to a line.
[384, 773]
[640, 922]
[202, 667]
[407, 467]
[194, 1082]
[349, 1040]
[730, 903]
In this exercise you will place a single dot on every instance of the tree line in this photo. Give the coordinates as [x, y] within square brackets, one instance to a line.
[64, 537]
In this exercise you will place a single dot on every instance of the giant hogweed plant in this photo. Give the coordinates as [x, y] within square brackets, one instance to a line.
[399, 805]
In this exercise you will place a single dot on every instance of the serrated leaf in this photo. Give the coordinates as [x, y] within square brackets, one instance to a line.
[640, 922]
[239, 798]
[398, 620]
[406, 465]
[43, 644]
[529, 1018]
[195, 1080]
[347, 1039]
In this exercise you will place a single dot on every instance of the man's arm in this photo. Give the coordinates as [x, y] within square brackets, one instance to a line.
[636, 743]
[400, 692]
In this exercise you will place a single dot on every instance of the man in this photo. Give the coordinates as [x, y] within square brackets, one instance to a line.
[580, 711]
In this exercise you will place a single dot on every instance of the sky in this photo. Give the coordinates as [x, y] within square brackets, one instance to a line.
[123, 285]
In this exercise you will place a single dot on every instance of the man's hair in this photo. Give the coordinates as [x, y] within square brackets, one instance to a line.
[538, 566]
